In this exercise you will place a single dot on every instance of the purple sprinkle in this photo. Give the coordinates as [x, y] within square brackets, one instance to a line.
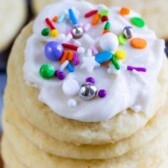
[140, 69]
[90, 80]
[75, 59]
[60, 75]
[102, 93]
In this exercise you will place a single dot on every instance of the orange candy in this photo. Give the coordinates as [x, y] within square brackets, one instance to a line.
[124, 11]
[96, 19]
[55, 18]
[70, 55]
[106, 31]
[64, 57]
[138, 43]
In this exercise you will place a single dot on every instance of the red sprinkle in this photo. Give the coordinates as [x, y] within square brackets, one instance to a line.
[104, 19]
[70, 46]
[49, 23]
[91, 13]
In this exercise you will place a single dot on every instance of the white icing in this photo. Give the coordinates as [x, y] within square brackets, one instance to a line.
[125, 89]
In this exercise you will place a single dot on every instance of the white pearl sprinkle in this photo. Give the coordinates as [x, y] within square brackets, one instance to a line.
[72, 103]
[81, 50]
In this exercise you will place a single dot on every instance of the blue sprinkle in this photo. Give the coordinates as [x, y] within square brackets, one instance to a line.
[70, 67]
[72, 17]
[61, 18]
[103, 57]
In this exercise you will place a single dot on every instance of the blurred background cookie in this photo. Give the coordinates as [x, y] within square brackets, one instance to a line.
[153, 11]
[12, 17]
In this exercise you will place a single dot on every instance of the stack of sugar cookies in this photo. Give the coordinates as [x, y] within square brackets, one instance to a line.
[87, 88]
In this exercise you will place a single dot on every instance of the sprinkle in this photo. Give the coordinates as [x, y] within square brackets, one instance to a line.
[49, 23]
[64, 65]
[64, 57]
[104, 12]
[106, 31]
[105, 64]
[87, 27]
[136, 21]
[104, 19]
[77, 43]
[70, 55]
[115, 63]
[122, 40]
[124, 11]
[96, 19]
[102, 93]
[103, 57]
[54, 33]
[47, 71]
[68, 37]
[91, 13]
[139, 69]
[138, 43]
[55, 19]
[70, 46]
[81, 50]
[70, 67]
[107, 26]
[90, 80]
[60, 75]
[120, 55]
[72, 17]
[75, 59]
[45, 32]
[62, 18]
[128, 32]
[72, 103]
[94, 50]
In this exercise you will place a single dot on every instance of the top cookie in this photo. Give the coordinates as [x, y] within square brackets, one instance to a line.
[91, 62]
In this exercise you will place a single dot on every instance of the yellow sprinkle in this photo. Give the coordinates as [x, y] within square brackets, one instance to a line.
[54, 33]
[120, 55]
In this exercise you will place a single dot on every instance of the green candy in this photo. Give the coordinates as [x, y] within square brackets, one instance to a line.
[115, 63]
[107, 26]
[122, 40]
[104, 12]
[45, 32]
[47, 71]
[139, 22]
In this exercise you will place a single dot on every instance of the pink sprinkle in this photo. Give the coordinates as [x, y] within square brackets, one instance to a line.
[94, 50]
[49, 23]
[140, 69]
[104, 19]
[75, 59]
[70, 46]
[91, 13]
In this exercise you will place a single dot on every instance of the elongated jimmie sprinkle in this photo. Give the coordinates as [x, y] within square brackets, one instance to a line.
[139, 69]
[49, 23]
[91, 13]
[72, 17]
[75, 59]
[70, 46]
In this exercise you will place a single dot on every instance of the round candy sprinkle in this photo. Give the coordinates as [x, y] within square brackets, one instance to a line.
[102, 93]
[138, 43]
[103, 57]
[70, 87]
[77, 32]
[122, 40]
[47, 71]
[53, 50]
[139, 22]
[45, 32]
[128, 32]
[124, 11]
[72, 103]
[87, 91]
[108, 42]
[54, 33]
[90, 80]
[120, 55]
[60, 75]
